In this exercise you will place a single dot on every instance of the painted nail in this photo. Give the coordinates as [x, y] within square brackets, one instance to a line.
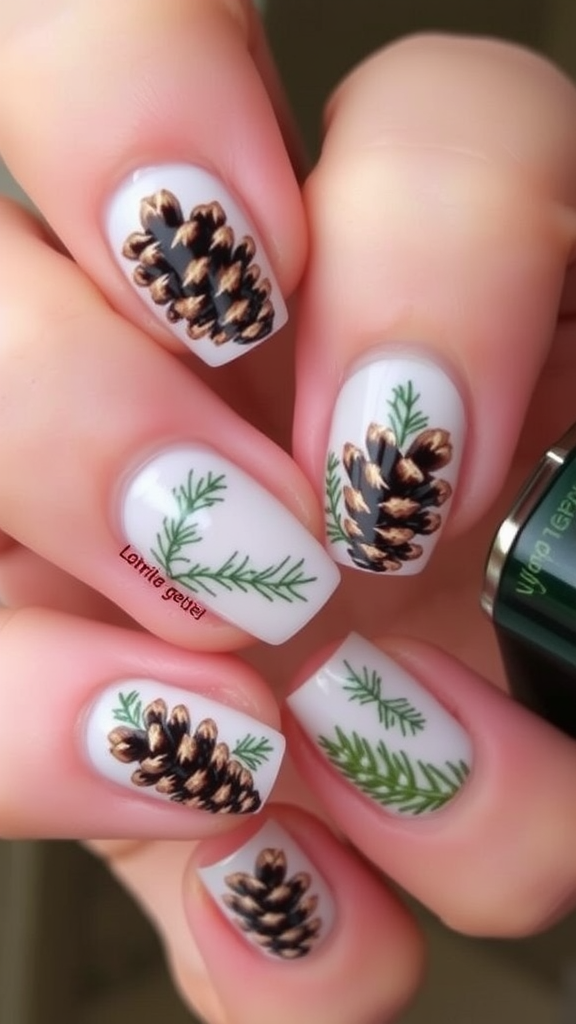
[382, 730]
[273, 893]
[174, 745]
[216, 533]
[186, 245]
[395, 446]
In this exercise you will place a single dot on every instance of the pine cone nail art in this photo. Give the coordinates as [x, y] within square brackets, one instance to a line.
[187, 247]
[188, 765]
[278, 911]
[389, 480]
[183, 748]
[274, 895]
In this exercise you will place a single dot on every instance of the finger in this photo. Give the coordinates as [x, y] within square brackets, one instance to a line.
[194, 242]
[421, 761]
[28, 580]
[284, 916]
[125, 453]
[129, 737]
[440, 240]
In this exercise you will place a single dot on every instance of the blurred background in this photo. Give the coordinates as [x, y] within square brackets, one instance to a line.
[73, 949]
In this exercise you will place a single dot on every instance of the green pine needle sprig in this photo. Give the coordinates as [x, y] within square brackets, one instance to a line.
[405, 418]
[130, 709]
[253, 752]
[392, 778]
[180, 531]
[334, 529]
[365, 687]
[284, 579]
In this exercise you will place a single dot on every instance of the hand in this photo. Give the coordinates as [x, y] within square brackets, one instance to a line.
[441, 227]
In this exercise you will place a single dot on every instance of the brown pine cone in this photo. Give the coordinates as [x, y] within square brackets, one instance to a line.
[391, 495]
[273, 909]
[190, 768]
[195, 268]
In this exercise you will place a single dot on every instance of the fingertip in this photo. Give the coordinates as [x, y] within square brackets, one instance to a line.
[349, 926]
[427, 237]
[373, 749]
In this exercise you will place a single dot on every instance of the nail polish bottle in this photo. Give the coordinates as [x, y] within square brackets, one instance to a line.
[530, 588]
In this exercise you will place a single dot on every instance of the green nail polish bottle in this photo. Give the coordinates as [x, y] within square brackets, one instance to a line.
[530, 588]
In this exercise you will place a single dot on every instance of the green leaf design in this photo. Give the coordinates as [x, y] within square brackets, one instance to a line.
[365, 687]
[334, 529]
[181, 530]
[405, 419]
[392, 778]
[130, 709]
[284, 579]
[253, 752]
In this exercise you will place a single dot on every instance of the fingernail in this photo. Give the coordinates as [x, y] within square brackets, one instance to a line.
[216, 533]
[382, 730]
[187, 247]
[273, 893]
[393, 456]
[173, 745]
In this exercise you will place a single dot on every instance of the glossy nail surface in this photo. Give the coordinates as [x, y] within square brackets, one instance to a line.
[382, 730]
[165, 742]
[187, 247]
[393, 456]
[219, 535]
[272, 892]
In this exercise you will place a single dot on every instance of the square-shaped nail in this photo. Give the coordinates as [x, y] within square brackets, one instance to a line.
[382, 730]
[186, 245]
[161, 741]
[272, 892]
[394, 451]
[218, 534]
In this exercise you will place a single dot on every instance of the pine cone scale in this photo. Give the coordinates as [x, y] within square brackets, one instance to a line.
[244, 884]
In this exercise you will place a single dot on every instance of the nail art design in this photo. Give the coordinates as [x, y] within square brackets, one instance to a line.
[274, 894]
[215, 532]
[393, 457]
[383, 731]
[184, 242]
[183, 747]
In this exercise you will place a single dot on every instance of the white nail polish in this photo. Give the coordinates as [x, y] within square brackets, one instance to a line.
[382, 730]
[393, 457]
[273, 893]
[217, 534]
[176, 746]
[187, 247]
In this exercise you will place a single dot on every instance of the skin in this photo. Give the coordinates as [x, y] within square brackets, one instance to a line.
[469, 220]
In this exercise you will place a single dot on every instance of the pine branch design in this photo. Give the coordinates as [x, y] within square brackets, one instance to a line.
[253, 752]
[130, 709]
[276, 911]
[180, 531]
[189, 767]
[283, 580]
[195, 268]
[397, 712]
[334, 529]
[391, 778]
[404, 418]
[392, 492]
